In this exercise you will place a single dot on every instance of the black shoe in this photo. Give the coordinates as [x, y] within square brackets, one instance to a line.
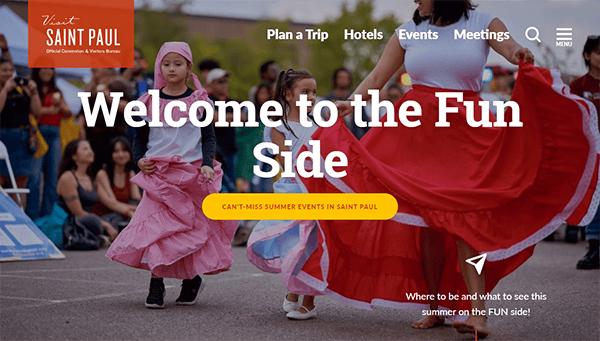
[155, 299]
[190, 291]
[572, 234]
[591, 258]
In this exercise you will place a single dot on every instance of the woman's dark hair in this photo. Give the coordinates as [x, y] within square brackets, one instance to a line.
[4, 60]
[267, 86]
[208, 64]
[110, 165]
[591, 44]
[336, 72]
[265, 66]
[286, 81]
[119, 85]
[447, 11]
[35, 76]
[66, 162]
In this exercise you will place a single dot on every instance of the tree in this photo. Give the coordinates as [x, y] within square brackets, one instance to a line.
[548, 58]
[359, 56]
[242, 56]
[152, 29]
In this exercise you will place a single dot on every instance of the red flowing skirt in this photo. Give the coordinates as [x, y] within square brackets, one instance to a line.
[501, 190]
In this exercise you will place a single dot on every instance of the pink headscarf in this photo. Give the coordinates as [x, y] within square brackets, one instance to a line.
[160, 82]
[177, 47]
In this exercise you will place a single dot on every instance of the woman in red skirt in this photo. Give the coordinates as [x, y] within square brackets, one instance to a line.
[462, 191]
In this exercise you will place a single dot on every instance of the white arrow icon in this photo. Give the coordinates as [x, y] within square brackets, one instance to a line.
[477, 262]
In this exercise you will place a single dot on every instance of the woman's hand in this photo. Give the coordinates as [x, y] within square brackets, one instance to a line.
[209, 172]
[64, 107]
[129, 214]
[112, 232]
[344, 108]
[146, 167]
[127, 211]
[10, 85]
[508, 48]
[32, 87]
[522, 53]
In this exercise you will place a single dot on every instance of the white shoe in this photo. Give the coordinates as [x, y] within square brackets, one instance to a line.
[289, 305]
[104, 241]
[297, 315]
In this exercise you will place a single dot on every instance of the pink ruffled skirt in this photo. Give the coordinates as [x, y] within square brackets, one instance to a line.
[169, 233]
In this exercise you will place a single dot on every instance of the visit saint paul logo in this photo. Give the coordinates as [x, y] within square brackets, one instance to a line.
[75, 33]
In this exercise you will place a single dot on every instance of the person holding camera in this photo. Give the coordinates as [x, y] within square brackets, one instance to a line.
[18, 98]
[54, 110]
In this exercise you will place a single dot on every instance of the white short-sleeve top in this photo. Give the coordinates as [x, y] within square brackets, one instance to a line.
[303, 134]
[447, 62]
[185, 141]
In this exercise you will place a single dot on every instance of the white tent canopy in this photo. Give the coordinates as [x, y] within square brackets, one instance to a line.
[16, 32]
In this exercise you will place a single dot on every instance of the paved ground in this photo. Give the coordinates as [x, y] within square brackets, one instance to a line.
[88, 297]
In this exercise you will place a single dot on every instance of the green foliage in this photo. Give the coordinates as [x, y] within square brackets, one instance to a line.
[152, 29]
[242, 56]
[358, 56]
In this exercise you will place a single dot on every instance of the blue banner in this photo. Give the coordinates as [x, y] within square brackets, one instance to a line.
[20, 239]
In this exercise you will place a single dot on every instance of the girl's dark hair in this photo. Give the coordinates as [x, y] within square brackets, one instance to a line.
[110, 165]
[286, 81]
[447, 11]
[35, 76]
[66, 162]
[591, 44]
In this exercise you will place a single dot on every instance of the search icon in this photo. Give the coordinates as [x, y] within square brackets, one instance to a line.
[535, 37]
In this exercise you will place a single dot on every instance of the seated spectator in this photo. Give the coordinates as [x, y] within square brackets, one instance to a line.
[100, 134]
[76, 192]
[118, 196]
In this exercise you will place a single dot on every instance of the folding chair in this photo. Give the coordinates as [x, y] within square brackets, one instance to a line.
[14, 189]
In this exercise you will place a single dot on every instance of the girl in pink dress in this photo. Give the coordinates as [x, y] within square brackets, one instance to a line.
[169, 234]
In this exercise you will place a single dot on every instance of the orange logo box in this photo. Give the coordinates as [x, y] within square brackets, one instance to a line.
[81, 33]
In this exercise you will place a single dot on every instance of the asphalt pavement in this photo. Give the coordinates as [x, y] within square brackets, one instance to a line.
[88, 297]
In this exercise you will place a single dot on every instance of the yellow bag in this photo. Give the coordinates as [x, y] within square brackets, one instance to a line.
[69, 131]
[41, 146]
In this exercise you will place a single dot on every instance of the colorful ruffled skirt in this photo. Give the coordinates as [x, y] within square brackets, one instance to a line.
[169, 233]
[282, 246]
[501, 190]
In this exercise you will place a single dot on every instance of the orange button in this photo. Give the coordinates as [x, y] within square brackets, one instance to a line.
[300, 206]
